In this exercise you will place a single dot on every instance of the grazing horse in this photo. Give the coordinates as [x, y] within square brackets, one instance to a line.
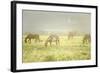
[29, 37]
[52, 38]
[71, 35]
[86, 38]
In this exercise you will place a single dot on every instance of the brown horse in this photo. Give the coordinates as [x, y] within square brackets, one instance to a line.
[71, 35]
[52, 38]
[86, 38]
[29, 37]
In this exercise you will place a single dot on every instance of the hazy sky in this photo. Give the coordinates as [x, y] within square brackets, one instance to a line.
[39, 21]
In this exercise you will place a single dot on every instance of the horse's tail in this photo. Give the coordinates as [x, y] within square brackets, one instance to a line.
[25, 40]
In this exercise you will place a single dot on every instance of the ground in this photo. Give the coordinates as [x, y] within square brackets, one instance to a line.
[67, 50]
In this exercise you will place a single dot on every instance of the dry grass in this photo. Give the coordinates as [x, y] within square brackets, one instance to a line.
[67, 50]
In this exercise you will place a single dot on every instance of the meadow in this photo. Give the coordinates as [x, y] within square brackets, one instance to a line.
[67, 50]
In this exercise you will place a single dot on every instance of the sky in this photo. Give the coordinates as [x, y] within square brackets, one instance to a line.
[47, 21]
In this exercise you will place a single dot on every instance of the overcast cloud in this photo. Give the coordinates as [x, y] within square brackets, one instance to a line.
[38, 21]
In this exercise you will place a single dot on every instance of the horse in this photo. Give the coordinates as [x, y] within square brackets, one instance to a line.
[52, 38]
[86, 38]
[71, 35]
[29, 37]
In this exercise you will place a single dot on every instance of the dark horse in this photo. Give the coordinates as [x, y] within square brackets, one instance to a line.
[86, 38]
[29, 37]
[52, 38]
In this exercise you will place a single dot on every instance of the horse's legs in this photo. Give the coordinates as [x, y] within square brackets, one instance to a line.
[56, 42]
[83, 41]
[38, 39]
[35, 40]
[46, 43]
[68, 37]
[50, 42]
[89, 40]
[25, 40]
[30, 41]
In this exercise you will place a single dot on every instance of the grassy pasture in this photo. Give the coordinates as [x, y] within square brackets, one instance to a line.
[67, 50]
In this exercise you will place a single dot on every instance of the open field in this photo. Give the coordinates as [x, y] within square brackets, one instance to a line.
[67, 50]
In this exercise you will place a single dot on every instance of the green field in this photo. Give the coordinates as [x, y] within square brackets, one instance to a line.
[67, 50]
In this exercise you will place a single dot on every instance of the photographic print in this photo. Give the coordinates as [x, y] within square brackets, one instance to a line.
[50, 34]
[56, 36]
